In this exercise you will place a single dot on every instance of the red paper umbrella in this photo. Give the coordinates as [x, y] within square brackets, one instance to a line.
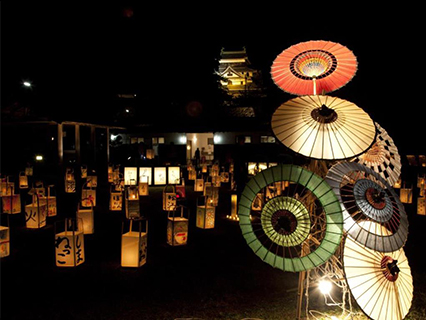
[314, 66]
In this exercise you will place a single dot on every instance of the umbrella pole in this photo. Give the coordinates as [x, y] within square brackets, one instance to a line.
[314, 80]
[302, 276]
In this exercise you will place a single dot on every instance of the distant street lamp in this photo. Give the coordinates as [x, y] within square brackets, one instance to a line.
[27, 84]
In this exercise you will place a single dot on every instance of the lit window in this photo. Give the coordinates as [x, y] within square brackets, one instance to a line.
[247, 139]
[160, 140]
[267, 139]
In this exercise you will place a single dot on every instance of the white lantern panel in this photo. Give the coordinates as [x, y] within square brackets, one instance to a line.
[130, 176]
[205, 217]
[85, 218]
[145, 175]
[173, 175]
[177, 231]
[12, 204]
[35, 215]
[160, 175]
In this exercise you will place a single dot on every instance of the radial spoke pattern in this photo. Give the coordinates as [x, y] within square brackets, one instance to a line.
[366, 197]
[380, 282]
[382, 157]
[323, 127]
[299, 227]
[330, 64]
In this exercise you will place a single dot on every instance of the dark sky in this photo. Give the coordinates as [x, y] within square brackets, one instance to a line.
[80, 56]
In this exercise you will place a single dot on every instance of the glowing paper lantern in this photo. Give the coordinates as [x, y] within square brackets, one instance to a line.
[69, 181]
[173, 175]
[257, 203]
[36, 213]
[169, 198]
[192, 174]
[143, 189]
[92, 181]
[134, 244]
[177, 228]
[116, 201]
[160, 176]
[234, 208]
[205, 216]
[29, 171]
[88, 197]
[69, 243]
[110, 173]
[83, 171]
[7, 188]
[180, 191]
[199, 185]
[150, 154]
[406, 195]
[23, 181]
[11, 204]
[212, 194]
[132, 203]
[130, 176]
[86, 217]
[145, 174]
[323, 127]
[4, 241]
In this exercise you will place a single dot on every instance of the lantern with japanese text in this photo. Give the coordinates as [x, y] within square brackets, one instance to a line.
[69, 181]
[177, 227]
[130, 175]
[115, 200]
[134, 244]
[169, 198]
[88, 197]
[50, 201]
[173, 175]
[36, 212]
[144, 187]
[11, 203]
[160, 176]
[92, 181]
[69, 243]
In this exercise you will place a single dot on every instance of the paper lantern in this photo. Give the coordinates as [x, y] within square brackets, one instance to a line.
[88, 197]
[169, 198]
[132, 203]
[234, 208]
[143, 189]
[92, 181]
[214, 170]
[23, 181]
[50, 201]
[4, 241]
[205, 216]
[110, 171]
[398, 184]
[7, 188]
[11, 204]
[257, 203]
[145, 174]
[69, 243]
[173, 175]
[36, 213]
[212, 196]
[134, 244]
[180, 192]
[86, 218]
[406, 195]
[224, 177]
[69, 181]
[29, 171]
[421, 206]
[130, 176]
[159, 175]
[204, 168]
[199, 185]
[192, 174]
[116, 201]
[177, 228]
[150, 154]
[216, 181]
[83, 171]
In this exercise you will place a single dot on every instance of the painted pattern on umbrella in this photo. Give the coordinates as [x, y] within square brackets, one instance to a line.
[323, 127]
[324, 64]
[380, 282]
[382, 157]
[300, 227]
[366, 197]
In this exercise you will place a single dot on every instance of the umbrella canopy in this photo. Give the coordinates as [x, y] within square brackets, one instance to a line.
[313, 66]
[366, 197]
[382, 157]
[298, 229]
[380, 282]
[323, 127]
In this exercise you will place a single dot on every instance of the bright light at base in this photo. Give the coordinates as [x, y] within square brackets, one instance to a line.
[324, 286]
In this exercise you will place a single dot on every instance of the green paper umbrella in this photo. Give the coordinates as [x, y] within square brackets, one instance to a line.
[300, 227]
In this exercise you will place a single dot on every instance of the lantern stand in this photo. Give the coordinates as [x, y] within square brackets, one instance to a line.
[178, 227]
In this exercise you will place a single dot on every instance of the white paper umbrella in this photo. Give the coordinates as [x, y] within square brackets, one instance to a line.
[382, 157]
[366, 197]
[323, 127]
[380, 282]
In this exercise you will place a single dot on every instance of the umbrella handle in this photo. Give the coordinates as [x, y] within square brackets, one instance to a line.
[314, 80]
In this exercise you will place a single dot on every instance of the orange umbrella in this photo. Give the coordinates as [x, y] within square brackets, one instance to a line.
[314, 66]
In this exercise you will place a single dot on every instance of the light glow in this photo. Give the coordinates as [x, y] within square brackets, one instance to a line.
[324, 286]
[39, 157]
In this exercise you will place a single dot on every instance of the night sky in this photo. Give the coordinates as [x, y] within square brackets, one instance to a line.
[80, 57]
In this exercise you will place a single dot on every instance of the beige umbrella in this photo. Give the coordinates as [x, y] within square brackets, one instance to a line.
[382, 157]
[323, 127]
[380, 282]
